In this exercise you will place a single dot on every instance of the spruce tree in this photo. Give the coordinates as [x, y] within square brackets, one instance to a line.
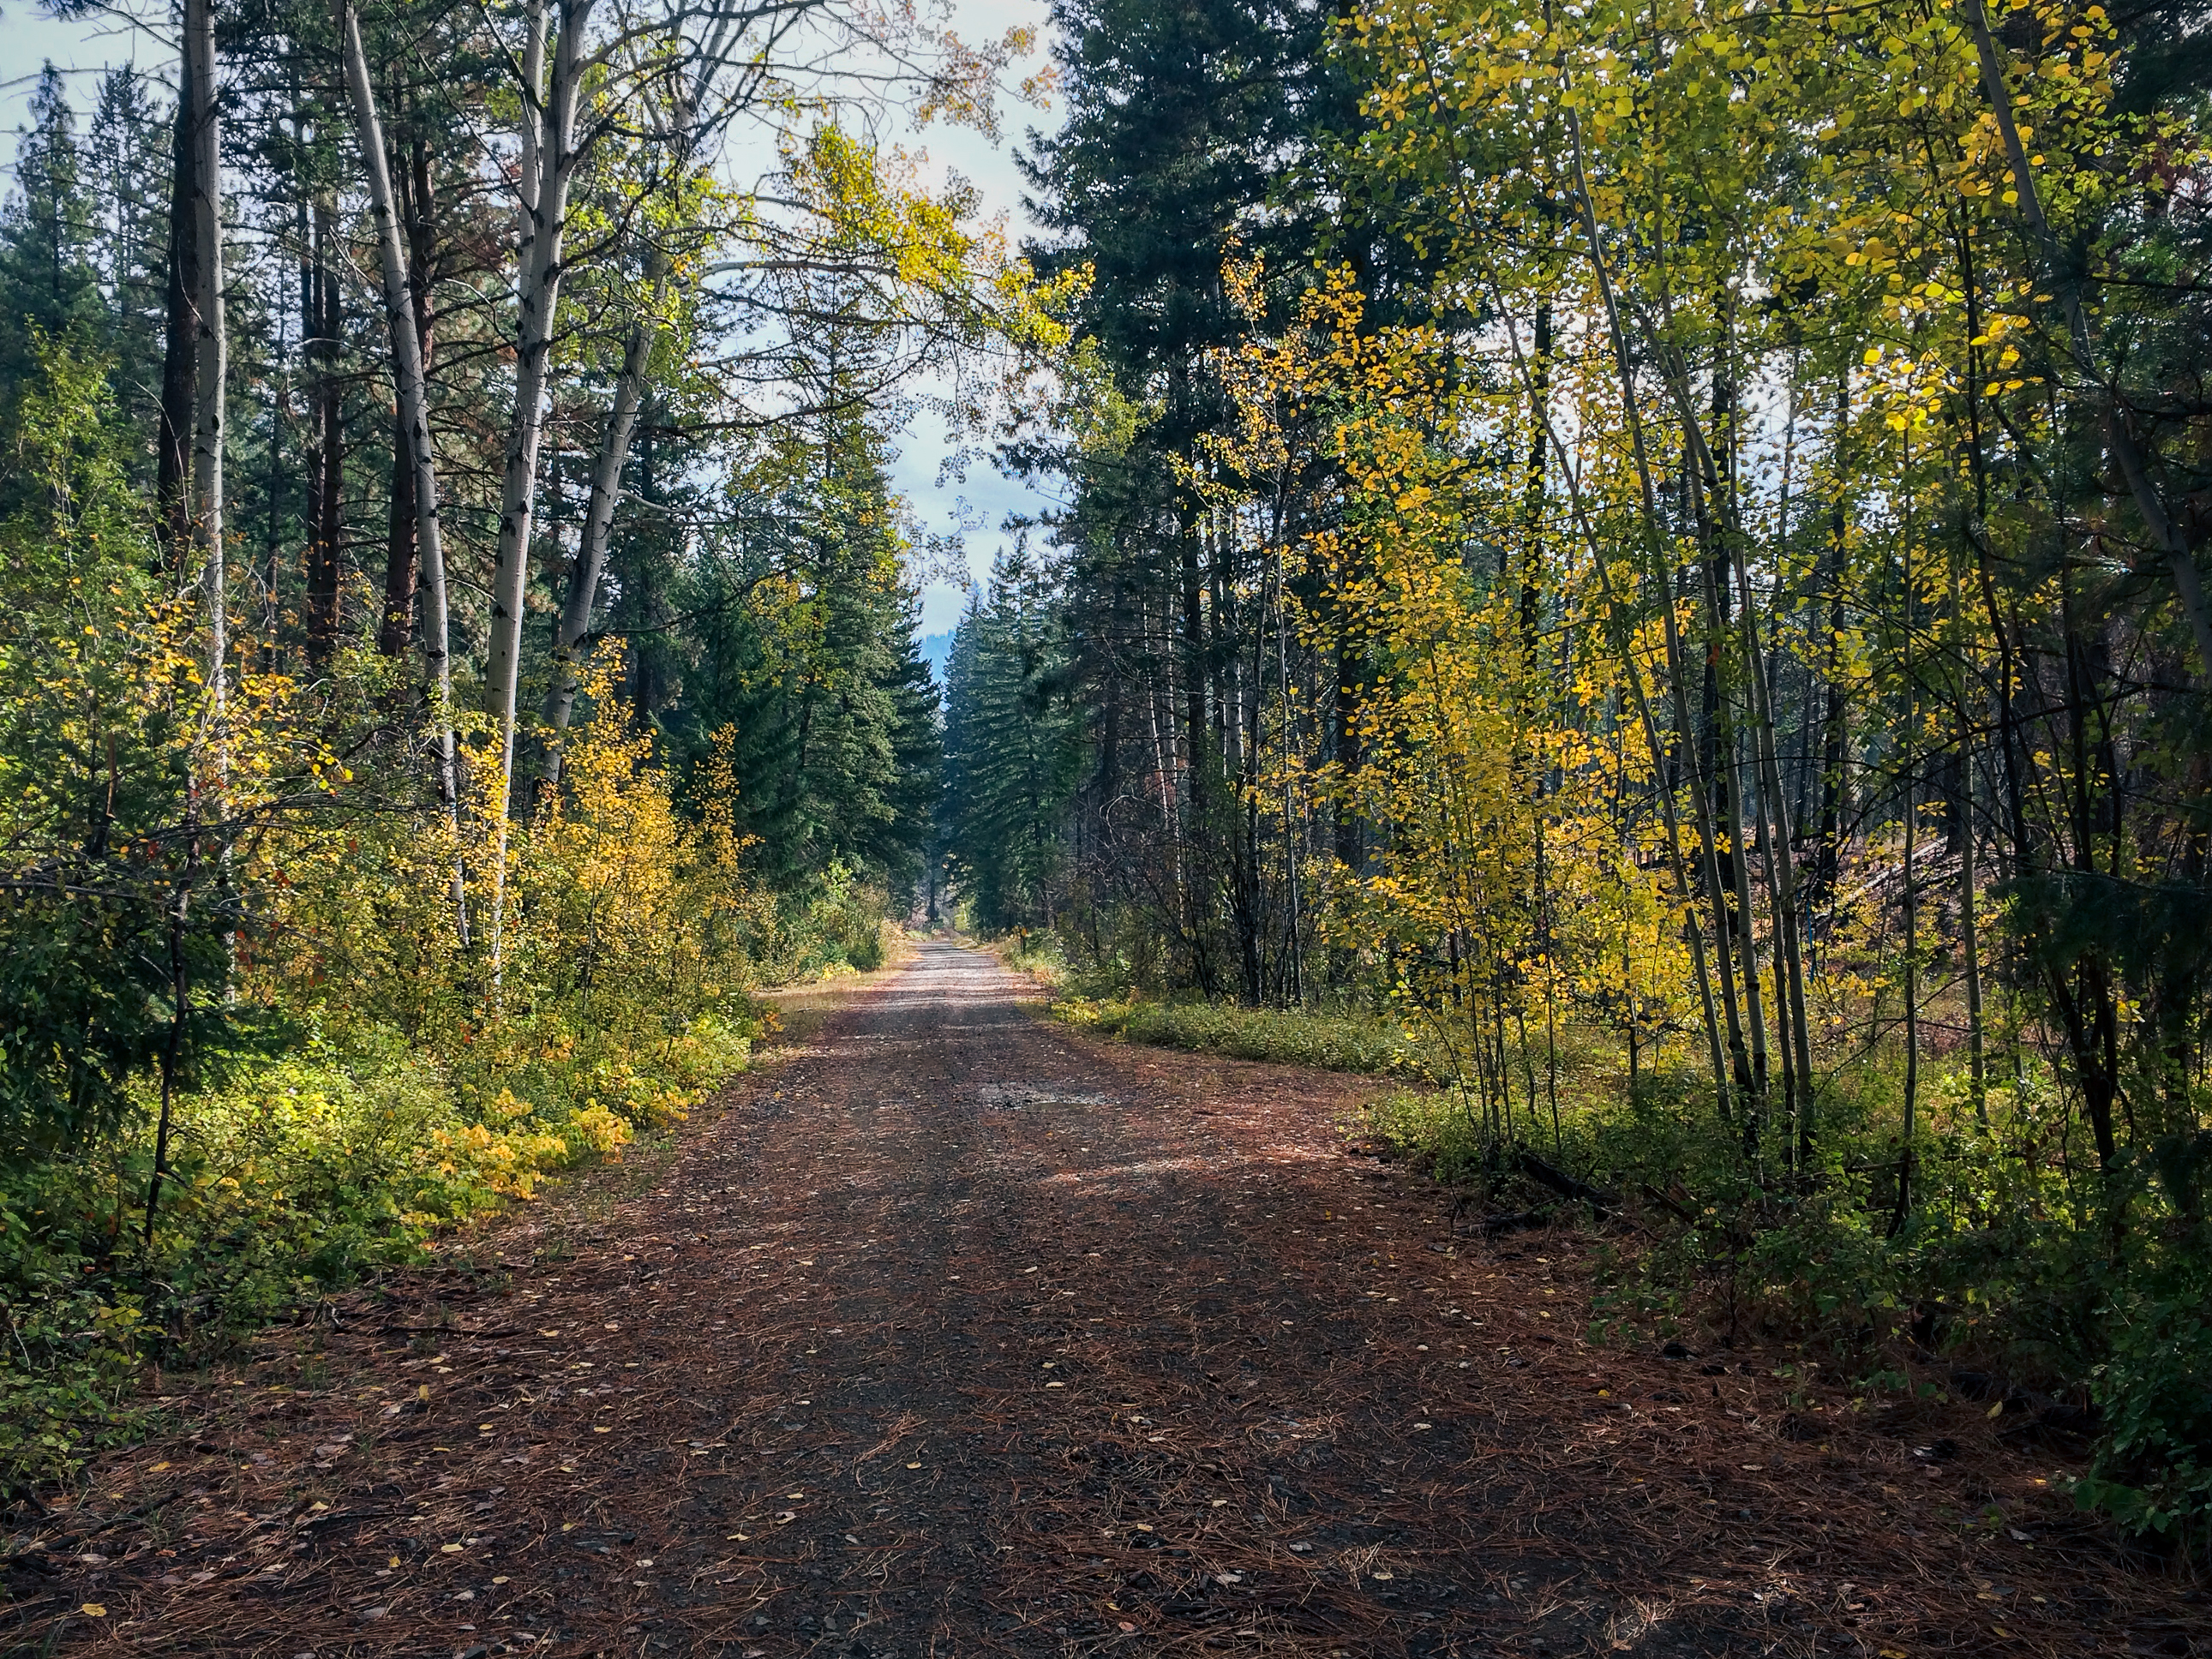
[125, 160]
[1013, 750]
[49, 283]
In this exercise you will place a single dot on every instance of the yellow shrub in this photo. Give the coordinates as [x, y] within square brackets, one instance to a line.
[600, 1130]
[510, 1165]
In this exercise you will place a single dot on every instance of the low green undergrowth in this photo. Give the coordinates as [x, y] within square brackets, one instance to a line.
[837, 923]
[293, 1176]
[1336, 1043]
[314, 1155]
[323, 1067]
[1041, 955]
[2013, 1254]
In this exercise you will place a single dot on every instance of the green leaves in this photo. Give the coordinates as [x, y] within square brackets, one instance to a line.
[98, 702]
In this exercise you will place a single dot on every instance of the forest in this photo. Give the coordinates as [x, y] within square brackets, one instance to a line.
[1633, 569]
[457, 635]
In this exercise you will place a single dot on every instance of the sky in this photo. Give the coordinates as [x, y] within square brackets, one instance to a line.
[988, 497]
[29, 38]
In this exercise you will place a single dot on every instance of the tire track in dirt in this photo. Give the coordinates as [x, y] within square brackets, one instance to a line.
[955, 1334]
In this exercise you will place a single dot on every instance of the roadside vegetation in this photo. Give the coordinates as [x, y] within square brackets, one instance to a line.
[1632, 572]
[1657, 575]
[1999, 1275]
[1336, 1043]
[441, 677]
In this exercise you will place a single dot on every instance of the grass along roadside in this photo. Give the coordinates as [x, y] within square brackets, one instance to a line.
[1333, 1042]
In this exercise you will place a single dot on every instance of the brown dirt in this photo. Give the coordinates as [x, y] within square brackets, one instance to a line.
[954, 1333]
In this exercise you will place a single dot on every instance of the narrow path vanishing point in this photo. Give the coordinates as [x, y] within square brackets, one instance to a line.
[957, 1335]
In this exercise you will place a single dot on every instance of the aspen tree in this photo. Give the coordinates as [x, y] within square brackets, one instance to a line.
[415, 422]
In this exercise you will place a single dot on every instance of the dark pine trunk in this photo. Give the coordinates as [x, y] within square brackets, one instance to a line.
[181, 347]
[329, 461]
[401, 551]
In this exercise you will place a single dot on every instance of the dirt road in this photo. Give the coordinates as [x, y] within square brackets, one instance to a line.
[953, 1334]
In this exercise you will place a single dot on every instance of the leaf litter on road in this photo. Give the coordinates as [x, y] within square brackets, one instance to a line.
[1282, 1424]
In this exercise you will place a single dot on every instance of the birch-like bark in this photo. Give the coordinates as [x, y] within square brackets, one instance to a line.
[1727, 764]
[1774, 803]
[211, 365]
[1782, 871]
[212, 354]
[530, 168]
[548, 166]
[1700, 800]
[599, 524]
[575, 622]
[1782, 877]
[414, 418]
[1702, 964]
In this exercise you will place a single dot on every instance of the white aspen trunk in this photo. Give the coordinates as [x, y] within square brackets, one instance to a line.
[548, 164]
[1782, 857]
[577, 603]
[211, 366]
[1676, 679]
[214, 344]
[414, 415]
[530, 167]
[599, 524]
[1774, 805]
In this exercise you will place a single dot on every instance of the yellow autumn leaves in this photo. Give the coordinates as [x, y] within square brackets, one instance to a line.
[1514, 870]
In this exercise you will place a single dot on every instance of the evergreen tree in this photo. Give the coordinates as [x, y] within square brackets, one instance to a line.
[105, 934]
[49, 283]
[1195, 140]
[799, 635]
[126, 160]
[1012, 749]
